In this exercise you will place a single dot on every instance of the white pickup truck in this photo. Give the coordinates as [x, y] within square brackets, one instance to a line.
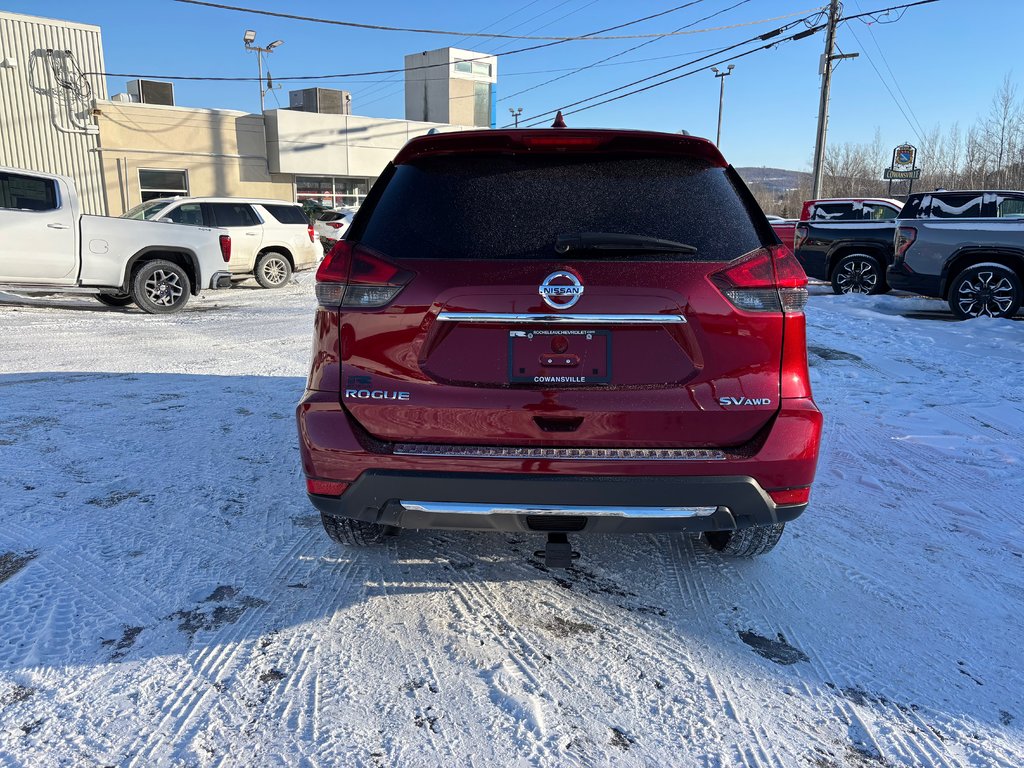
[48, 246]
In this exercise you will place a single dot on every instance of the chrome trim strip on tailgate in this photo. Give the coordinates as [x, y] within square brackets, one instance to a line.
[512, 318]
[460, 508]
[560, 454]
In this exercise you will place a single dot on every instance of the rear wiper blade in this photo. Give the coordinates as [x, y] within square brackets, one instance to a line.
[614, 241]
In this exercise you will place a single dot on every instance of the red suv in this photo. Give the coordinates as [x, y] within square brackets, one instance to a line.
[560, 331]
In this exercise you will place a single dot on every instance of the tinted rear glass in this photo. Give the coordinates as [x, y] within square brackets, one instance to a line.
[288, 214]
[234, 215]
[502, 206]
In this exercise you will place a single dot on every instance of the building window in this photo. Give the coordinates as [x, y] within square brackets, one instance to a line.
[482, 68]
[162, 183]
[331, 191]
[482, 105]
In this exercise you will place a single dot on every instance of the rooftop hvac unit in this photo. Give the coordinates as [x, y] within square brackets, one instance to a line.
[326, 101]
[152, 92]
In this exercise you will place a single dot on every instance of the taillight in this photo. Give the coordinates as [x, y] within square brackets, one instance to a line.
[799, 236]
[765, 280]
[225, 247]
[905, 237]
[352, 276]
[312, 234]
[334, 224]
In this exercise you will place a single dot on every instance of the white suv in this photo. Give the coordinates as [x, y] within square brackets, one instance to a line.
[270, 239]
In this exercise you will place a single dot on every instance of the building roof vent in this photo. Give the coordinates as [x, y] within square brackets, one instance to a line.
[152, 92]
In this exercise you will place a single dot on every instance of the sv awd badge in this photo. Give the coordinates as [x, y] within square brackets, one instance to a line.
[728, 402]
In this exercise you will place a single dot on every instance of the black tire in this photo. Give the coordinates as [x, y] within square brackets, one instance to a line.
[989, 290]
[355, 533]
[746, 542]
[272, 270]
[115, 300]
[160, 287]
[858, 273]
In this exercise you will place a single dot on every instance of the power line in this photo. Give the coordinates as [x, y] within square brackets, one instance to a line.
[885, 61]
[561, 39]
[599, 62]
[766, 36]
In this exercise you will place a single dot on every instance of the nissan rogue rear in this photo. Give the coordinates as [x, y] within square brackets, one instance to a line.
[560, 331]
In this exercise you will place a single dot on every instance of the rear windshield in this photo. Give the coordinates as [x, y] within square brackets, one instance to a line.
[512, 207]
[287, 214]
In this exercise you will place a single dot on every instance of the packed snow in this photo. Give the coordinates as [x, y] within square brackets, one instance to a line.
[167, 596]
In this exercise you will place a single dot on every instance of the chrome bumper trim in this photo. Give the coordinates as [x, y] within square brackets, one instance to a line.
[560, 454]
[458, 508]
[511, 318]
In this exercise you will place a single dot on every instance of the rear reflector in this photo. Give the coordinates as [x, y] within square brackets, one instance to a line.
[225, 247]
[352, 276]
[325, 487]
[790, 496]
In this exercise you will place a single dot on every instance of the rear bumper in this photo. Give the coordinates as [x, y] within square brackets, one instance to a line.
[515, 502]
[506, 493]
[902, 278]
[220, 280]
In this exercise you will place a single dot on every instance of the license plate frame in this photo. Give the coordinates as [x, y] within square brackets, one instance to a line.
[591, 349]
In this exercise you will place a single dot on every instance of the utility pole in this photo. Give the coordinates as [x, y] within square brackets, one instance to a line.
[721, 98]
[826, 89]
[249, 39]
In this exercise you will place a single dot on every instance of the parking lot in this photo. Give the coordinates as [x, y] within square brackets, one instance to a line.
[167, 595]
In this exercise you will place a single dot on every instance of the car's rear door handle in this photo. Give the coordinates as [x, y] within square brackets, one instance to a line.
[58, 226]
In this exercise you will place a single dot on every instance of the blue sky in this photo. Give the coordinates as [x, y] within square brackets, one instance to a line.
[948, 58]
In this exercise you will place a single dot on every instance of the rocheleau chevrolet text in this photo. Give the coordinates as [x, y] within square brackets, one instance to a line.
[561, 331]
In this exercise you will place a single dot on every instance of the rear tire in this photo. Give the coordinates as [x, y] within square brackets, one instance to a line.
[746, 542]
[354, 533]
[115, 299]
[272, 270]
[160, 287]
[990, 290]
[858, 273]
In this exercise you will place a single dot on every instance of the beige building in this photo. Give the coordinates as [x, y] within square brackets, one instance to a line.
[137, 146]
[150, 151]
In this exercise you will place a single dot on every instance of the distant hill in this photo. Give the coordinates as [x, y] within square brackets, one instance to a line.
[776, 180]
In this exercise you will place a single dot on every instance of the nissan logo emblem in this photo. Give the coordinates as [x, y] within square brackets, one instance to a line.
[560, 290]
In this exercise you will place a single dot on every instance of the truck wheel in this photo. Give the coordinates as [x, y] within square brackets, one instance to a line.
[160, 287]
[746, 542]
[858, 273]
[355, 533]
[272, 270]
[115, 299]
[990, 290]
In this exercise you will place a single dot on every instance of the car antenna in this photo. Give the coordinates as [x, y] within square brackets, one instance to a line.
[559, 121]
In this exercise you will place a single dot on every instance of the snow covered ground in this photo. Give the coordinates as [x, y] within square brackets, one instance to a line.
[167, 596]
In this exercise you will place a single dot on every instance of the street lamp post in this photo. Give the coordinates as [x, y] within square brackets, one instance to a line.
[249, 38]
[721, 98]
[515, 114]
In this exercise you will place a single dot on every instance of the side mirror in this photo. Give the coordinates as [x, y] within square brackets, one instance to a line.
[165, 220]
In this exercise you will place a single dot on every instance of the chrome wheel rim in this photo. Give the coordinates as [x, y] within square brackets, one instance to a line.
[164, 288]
[986, 294]
[275, 270]
[857, 276]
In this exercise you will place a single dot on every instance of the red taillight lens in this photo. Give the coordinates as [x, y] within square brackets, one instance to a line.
[799, 236]
[333, 224]
[225, 247]
[905, 237]
[352, 276]
[312, 233]
[790, 496]
[325, 487]
[765, 280]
